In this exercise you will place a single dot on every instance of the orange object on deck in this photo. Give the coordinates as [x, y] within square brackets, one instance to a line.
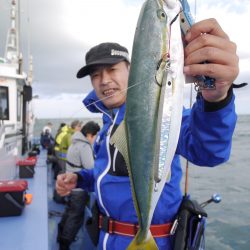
[28, 199]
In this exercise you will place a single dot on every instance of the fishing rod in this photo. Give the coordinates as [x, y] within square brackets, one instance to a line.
[216, 198]
[186, 24]
[191, 91]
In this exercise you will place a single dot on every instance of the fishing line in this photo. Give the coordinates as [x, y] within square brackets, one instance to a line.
[190, 105]
[170, 29]
[165, 57]
[119, 92]
[115, 94]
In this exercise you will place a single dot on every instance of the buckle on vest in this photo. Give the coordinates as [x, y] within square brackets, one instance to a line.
[106, 223]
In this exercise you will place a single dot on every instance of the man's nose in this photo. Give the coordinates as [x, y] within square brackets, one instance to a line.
[105, 77]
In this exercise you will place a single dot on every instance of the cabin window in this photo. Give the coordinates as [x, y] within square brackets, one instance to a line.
[4, 103]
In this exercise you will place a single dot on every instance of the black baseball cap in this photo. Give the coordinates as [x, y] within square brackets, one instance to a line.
[103, 54]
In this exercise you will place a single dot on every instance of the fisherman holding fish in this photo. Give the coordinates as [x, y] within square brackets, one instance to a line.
[138, 203]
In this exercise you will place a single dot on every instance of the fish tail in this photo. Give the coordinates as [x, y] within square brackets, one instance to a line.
[147, 244]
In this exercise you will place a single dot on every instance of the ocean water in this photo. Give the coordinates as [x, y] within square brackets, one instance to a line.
[228, 223]
[40, 123]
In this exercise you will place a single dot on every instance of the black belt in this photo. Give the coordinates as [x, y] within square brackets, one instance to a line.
[73, 165]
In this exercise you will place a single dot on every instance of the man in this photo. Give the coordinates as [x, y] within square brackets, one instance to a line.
[79, 156]
[46, 138]
[205, 137]
[48, 127]
[63, 146]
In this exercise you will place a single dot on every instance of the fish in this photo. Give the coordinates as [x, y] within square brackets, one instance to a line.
[147, 137]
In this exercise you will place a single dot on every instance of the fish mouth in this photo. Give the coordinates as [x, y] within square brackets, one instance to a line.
[109, 92]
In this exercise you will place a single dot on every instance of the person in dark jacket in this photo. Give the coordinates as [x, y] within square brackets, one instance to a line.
[47, 139]
[205, 137]
[79, 156]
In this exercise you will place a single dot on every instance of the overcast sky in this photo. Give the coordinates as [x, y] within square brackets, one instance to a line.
[61, 31]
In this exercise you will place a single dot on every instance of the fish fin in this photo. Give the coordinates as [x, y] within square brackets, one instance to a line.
[148, 244]
[119, 139]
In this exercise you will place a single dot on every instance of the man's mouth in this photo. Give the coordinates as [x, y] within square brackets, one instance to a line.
[109, 92]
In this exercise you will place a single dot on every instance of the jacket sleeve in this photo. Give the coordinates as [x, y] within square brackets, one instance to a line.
[206, 132]
[86, 156]
[86, 180]
[63, 143]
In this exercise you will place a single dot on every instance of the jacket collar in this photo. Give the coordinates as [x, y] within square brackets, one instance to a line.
[94, 105]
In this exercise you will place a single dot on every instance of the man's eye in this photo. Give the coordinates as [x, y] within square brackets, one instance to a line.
[94, 75]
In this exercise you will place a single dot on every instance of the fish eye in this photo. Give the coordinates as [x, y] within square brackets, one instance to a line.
[161, 14]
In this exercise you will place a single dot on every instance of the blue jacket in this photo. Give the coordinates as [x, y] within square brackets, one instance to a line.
[205, 140]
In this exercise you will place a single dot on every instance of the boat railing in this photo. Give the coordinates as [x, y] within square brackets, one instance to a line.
[2, 135]
[9, 125]
[9, 128]
[7, 131]
[2, 60]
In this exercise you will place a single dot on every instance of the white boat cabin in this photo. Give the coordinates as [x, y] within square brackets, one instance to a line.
[16, 116]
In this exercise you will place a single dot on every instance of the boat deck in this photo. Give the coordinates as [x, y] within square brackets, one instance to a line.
[36, 227]
[30, 229]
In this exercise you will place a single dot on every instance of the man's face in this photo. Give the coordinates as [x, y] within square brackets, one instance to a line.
[110, 83]
[78, 127]
[91, 138]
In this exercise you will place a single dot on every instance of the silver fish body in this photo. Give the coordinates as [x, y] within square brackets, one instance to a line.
[148, 136]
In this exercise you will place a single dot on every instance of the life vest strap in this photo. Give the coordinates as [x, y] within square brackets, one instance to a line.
[73, 165]
[122, 228]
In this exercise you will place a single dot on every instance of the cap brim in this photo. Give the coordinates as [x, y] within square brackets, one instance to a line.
[87, 69]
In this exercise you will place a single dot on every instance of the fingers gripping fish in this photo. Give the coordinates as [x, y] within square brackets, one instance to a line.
[148, 136]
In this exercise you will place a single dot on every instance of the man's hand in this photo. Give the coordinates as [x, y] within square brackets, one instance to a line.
[65, 183]
[207, 42]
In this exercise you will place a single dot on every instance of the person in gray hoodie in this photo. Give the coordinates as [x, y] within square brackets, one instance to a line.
[80, 152]
[79, 155]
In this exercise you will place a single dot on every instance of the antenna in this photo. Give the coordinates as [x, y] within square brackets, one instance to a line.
[30, 72]
[12, 43]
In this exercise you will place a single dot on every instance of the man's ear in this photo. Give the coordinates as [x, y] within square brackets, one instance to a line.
[128, 64]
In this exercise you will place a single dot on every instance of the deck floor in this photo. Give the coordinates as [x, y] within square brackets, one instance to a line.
[36, 227]
[29, 231]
